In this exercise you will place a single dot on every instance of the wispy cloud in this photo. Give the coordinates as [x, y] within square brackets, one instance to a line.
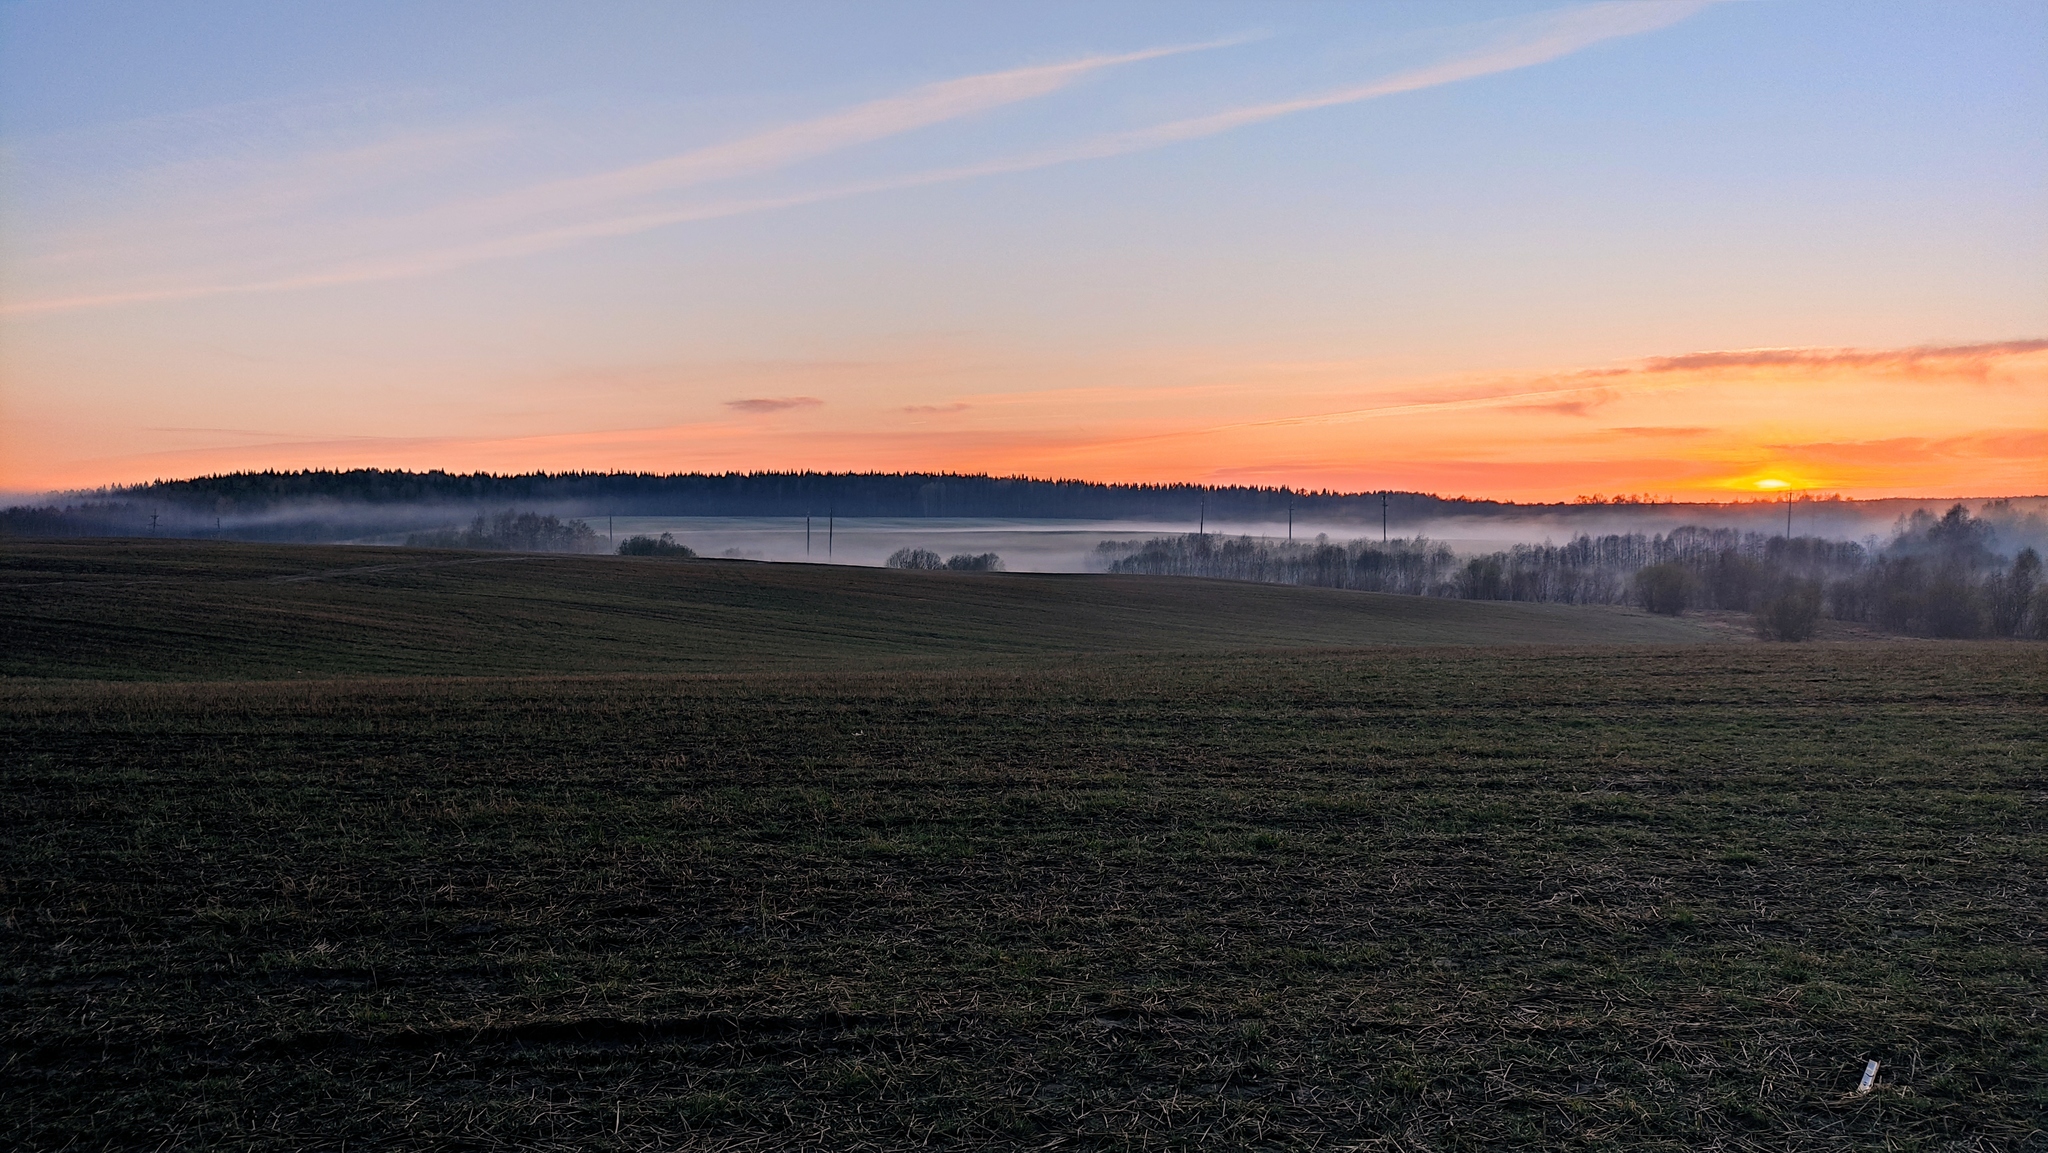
[789, 144]
[1945, 359]
[773, 403]
[1581, 407]
[1521, 45]
[2023, 444]
[585, 207]
[1575, 393]
[1681, 431]
[598, 197]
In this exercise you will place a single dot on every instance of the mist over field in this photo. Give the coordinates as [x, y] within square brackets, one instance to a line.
[1041, 526]
[1928, 568]
[1076, 546]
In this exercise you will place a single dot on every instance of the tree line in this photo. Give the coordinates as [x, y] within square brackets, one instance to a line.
[927, 560]
[1943, 576]
[515, 532]
[280, 504]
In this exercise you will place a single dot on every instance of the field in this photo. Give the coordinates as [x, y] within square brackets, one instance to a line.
[182, 609]
[933, 881]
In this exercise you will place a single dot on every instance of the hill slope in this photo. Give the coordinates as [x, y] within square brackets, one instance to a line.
[202, 610]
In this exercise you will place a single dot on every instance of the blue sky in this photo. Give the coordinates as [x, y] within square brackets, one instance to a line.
[1020, 238]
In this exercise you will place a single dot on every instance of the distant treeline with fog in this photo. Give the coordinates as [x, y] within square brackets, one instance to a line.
[324, 505]
[360, 504]
[1959, 573]
[1956, 575]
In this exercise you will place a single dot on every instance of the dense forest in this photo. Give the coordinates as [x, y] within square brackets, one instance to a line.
[1941, 576]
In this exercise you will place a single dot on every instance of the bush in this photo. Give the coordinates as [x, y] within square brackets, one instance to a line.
[1790, 614]
[1664, 588]
[663, 545]
[986, 562]
[915, 558]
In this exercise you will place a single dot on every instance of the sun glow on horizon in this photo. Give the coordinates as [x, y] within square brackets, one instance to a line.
[1704, 425]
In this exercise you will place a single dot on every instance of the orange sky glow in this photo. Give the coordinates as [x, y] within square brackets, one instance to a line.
[1964, 420]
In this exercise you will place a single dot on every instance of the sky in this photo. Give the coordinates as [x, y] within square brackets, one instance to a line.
[1510, 250]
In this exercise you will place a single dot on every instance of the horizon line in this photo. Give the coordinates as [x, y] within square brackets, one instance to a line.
[1582, 501]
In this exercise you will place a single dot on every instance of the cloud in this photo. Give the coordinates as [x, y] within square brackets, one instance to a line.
[1522, 45]
[607, 193]
[1562, 392]
[935, 409]
[788, 144]
[1946, 359]
[773, 403]
[1570, 393]
[1658, 430]
[1583, 407]
[1515, 45]
[2026, 444]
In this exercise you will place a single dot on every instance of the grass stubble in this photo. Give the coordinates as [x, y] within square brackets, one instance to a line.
[1427, 898]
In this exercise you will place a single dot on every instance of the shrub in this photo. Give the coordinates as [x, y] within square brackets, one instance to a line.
[1792, 613]
[915, 558]
[985, 562]
[1664, 588]
[663, 545]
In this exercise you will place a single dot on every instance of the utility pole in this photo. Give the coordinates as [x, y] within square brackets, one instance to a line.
[1202, 518]
[1383, 516]
[607, 528]
[152, 524]
[831, 522]
[1788, 516]
[807, 532]
[1290, 518]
